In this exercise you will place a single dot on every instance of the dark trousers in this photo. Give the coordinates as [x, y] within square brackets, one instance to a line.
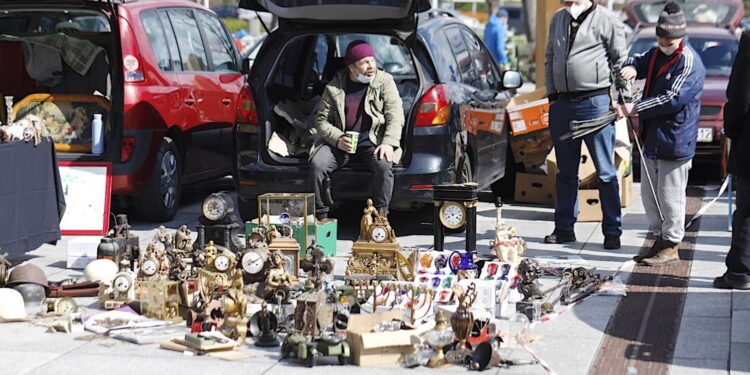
[329, 158]
[601, 147]
[738, 259]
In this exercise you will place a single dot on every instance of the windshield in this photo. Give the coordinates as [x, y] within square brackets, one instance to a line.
[717, 54]
[718, 14]
[45, 22]
[390, 53]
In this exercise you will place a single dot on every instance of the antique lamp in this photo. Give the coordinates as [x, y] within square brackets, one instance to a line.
[439, 338]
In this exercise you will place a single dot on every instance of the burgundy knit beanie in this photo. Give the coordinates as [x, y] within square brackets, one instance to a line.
[358, 50]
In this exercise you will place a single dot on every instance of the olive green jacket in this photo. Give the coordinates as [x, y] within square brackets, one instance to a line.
[382, 103]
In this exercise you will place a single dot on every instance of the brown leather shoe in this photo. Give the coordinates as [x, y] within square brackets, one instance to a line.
[650, 252]
[667, 255]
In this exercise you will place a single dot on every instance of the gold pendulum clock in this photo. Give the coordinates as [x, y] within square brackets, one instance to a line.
[455, 207]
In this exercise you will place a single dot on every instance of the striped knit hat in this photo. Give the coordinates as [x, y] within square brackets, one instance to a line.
[671, 22]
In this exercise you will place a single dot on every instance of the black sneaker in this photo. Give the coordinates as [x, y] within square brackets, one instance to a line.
[560, 236]
[611, 242]
[723, 282]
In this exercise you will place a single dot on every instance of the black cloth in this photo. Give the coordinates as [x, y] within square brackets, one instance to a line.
[737, 111]
[738, 258]
[31, 196]
[575, 24]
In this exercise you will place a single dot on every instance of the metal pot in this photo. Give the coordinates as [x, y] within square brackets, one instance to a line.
[28, 273]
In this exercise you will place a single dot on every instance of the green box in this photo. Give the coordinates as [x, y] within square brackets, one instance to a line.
[325, 233]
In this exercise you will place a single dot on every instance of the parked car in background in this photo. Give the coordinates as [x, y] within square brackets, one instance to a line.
[715, 12]
[716, 46]
[437, 73]
[165, 74]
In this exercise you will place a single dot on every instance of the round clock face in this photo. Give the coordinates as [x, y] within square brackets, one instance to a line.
[67, 306]
[221, 263]
[214, 208]
[285, 218]
[452, 215]
[379, 234]
[123, 283]
[149, 267]
[252, 262]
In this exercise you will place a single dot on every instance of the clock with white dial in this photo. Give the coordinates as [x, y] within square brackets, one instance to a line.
[221, 263]
[452, 215]
[149, 267]
[253, 262]
[123, 282]
[379, 234]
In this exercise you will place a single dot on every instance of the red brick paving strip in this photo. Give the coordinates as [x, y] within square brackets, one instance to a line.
[641, 335]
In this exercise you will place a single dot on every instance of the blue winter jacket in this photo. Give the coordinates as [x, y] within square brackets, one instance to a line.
[669, 113]
[494, 37]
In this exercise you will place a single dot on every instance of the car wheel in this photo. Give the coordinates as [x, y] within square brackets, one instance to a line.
[465, 174]
[161, 196]
[248, 209]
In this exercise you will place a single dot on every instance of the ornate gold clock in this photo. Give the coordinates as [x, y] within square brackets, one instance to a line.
[374, 254]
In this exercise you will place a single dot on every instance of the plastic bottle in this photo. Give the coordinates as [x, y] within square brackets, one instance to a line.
[97, 135]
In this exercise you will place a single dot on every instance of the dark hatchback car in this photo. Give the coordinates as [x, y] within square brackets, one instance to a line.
[440, 67]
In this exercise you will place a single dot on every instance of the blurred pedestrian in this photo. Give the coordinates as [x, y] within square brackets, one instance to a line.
[737, 128]
[669, 114]
[586, 44]
[495, 35]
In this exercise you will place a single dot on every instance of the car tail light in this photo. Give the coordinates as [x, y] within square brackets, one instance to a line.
[434, 107]
[247, 112]
[131, 54]
[420, 187]
[128, 143]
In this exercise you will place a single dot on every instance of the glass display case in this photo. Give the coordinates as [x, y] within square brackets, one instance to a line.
[292, 214]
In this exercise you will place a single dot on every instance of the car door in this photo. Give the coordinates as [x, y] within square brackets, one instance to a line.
[480, 143]
[494, 138]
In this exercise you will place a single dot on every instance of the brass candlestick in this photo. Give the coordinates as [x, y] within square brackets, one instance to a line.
[439, 338]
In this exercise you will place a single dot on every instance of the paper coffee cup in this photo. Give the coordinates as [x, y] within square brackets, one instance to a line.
[354, 139]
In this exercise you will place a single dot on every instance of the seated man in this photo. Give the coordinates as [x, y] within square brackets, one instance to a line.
[362, 100]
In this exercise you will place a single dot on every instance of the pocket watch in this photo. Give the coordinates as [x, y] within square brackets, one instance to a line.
[452, 215]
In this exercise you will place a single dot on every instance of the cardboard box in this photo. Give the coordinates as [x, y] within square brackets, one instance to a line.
[624, 160]
[535, 188]
[586, 170]
[79, 262]
[83, 246]
[532, 148]
[589, 206]
[491, 120]
[528, 112]
[378, 348]
[626, 190]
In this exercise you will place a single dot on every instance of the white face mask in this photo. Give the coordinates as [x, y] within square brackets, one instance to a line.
[576, 10]
[669, 50]
[364, 79]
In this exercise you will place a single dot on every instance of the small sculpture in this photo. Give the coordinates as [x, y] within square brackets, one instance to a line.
[278, 283]
[530, 272]
[370, 216]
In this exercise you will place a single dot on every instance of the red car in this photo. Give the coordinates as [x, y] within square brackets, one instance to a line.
[717, 47]
[166, 76]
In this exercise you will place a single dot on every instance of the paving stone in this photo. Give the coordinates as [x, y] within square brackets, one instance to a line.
[704, 338]
[14, 362]
[740, 326]
[692, 366]
[740, 300]
[740, 360]
[699, 304]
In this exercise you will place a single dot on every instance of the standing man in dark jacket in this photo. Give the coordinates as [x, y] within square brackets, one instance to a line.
[586, 44]
[737, 128]
[669, 114]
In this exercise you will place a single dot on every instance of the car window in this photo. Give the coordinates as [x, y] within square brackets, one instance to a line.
[192, 53]
[482, 61]
[218, 43]
[463, 58]
[717, 54]
[155, 33]
[51, 21]
[174, 51]
[390, 53]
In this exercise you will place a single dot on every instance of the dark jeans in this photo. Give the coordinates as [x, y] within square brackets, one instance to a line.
[329, 158]
[738, 259]
[601, 147]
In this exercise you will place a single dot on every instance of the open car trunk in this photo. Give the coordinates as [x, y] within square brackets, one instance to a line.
[300, 71]
[55, 65]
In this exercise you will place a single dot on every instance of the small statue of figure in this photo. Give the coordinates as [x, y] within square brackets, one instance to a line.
[530, 272]
[278, 280]
[182, 241]
[370, 215]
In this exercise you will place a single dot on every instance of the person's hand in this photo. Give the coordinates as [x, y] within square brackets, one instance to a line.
[618, 110]
[628, 73]
[384, 151]
[344, 143]
[628, 109]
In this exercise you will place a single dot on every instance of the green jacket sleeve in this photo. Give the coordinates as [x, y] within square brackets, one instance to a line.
[325, 120]
[394, 114]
